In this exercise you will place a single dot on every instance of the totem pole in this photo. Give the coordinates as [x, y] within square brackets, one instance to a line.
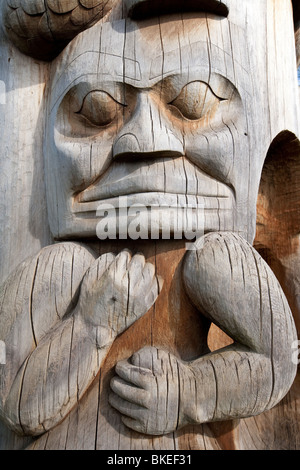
[149, 225]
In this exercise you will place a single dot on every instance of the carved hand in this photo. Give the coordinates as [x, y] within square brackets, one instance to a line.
[63, 346]
[116, 291]
[229, 283]
[146, 391]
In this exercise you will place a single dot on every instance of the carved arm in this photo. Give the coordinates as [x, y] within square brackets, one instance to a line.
[55, 350]
[228, 282]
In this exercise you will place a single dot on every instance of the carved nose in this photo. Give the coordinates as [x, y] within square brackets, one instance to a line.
[147, 134]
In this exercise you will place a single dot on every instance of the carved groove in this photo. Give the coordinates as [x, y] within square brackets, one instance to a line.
[42, 29]
[140, 137]
[141, 9]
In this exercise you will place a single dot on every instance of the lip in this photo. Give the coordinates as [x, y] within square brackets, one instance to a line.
[153, 182]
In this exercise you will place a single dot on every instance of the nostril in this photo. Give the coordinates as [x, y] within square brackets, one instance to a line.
[148, 156]
[127, 143]
[130, 146]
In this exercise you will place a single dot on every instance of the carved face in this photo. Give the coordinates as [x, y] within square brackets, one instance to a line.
[149, 111]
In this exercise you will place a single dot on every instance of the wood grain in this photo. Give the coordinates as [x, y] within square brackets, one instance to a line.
[42, 29]
[108, 107]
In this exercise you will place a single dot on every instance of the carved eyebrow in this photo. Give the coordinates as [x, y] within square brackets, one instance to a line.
[142, 9]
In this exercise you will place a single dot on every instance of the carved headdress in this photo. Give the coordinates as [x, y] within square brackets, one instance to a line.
[42, 29]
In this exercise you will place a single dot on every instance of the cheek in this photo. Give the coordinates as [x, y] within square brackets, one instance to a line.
[81, 163]
[214, 153]
[219, 145]
[80, 152]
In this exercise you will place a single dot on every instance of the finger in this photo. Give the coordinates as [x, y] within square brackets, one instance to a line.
[125, 407]
[157, 360]
[136, 269]
[122, 261]
[145, 358]
[134, 375]
[118, 271]
[103, 263]
[98, 267]
[120, 266]
[147, 275]
[128, 392]
[134, 424]
[153, 292]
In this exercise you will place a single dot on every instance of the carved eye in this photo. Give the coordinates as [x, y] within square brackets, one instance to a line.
[99, 108]
[195, 100]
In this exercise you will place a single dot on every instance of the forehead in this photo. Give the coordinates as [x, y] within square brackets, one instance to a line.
[142, 54]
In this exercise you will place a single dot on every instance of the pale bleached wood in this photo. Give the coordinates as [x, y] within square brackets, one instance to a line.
[296, 8]
[156, 393]
[42, 29]
[55, 351]
[254, 113]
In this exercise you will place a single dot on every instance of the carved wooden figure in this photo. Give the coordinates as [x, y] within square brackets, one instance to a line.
[149, 291]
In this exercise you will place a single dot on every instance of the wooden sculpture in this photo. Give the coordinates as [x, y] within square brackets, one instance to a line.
[149, 289]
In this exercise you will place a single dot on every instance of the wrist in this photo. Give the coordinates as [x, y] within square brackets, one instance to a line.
[101, 336]
[194, 396]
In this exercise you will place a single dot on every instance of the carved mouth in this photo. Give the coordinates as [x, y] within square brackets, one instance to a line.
[156, 182]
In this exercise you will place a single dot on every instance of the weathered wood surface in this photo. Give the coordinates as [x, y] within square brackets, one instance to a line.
[235, 134]
[58, 341]
[296, 7]
[42, 29]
